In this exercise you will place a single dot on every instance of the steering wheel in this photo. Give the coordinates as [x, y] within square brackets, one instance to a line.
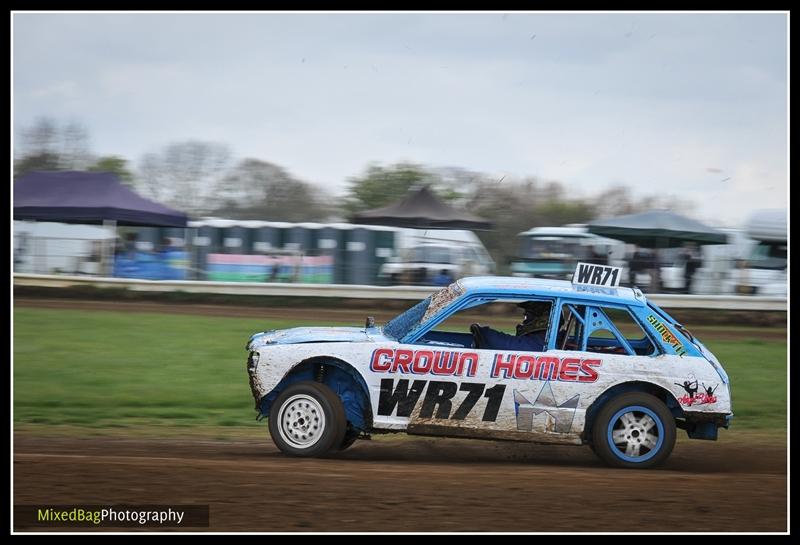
[477, 335]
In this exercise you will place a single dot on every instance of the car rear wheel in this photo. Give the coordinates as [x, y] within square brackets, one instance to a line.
[307, 419]
[634, 430]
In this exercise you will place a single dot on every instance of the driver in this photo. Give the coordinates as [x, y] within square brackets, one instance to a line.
[531, 332]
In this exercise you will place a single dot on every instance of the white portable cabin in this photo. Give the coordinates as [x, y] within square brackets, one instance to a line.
[58, 248]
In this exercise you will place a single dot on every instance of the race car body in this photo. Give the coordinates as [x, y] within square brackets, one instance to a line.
[615, 372]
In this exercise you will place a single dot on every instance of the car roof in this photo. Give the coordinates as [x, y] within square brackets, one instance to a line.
[543, 287]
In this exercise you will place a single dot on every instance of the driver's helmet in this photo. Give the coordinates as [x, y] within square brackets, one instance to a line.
[536, 317]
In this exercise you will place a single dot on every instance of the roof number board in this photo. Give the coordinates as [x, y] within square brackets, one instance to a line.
[588, 274]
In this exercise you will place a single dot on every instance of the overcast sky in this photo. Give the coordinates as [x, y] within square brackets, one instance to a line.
[692, 105]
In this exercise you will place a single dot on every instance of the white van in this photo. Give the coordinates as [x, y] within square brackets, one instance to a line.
[764, 270]
[432, 256]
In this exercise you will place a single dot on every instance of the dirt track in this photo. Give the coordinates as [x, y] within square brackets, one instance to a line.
[414, 484]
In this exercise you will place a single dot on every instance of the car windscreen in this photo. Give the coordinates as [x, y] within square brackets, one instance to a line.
[431, 254]
[399, 327]
[769, 255]
[661, 312]
[554, 248]
[670, 320]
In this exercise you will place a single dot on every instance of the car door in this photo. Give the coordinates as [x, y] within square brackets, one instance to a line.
[482, 394]
[609, 345]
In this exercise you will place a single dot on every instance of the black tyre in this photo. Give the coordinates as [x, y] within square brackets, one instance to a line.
[307, 419]
[634, 430]
[349, 438]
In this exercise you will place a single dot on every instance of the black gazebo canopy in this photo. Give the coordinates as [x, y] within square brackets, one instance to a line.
[657, 229]
[422, 209]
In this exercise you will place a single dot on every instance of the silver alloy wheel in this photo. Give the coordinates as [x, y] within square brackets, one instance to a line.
[301, 421]
[635, 433]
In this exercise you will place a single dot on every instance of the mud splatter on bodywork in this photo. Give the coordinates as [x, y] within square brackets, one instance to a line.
[442, 298]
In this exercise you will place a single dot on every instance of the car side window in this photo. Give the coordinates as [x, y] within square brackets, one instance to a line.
[607, 330]
[630, 329]
[489, 324]
[570, 327]
[614, 331]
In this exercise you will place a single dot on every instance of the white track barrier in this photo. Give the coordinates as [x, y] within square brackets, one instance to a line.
[348, 291]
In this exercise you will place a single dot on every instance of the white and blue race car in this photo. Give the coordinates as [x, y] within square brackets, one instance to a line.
[609, 369]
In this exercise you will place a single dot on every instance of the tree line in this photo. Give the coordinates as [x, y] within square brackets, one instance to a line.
[203, 179]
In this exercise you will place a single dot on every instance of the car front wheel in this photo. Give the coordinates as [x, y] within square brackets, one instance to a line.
[634, 430]
[349, 438]
[307, 419]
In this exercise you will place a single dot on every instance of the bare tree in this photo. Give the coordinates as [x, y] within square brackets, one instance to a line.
[618, 200]
[148, 179]
[516, 205]
[258, 189]
[75, 146]
[185, 174]
[41, 137]
[46, 145]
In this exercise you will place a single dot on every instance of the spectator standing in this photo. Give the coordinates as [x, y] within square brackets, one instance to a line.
[691, 262]
[443, 278]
